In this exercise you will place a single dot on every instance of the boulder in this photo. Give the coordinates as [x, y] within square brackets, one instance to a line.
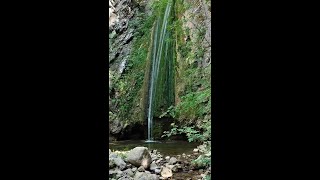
[139, 156]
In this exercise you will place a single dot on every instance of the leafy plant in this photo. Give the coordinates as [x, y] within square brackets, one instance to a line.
[201, 162]
[191, 133]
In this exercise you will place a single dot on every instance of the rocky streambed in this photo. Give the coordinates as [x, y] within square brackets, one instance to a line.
[140, 163]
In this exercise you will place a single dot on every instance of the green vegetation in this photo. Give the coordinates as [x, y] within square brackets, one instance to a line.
[128, 86]
[201, 162]
[192, 111]
[183, 92]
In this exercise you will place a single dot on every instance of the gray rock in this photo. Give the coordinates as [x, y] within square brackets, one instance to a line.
[125, 178]
[115, 126]
[145, 176]
[172, 160]
[139, 156]
[140, 176]
[119, 174]
[111, 172]
[111, 164]
[159, 160]
[170, 166]
[134, 169]
[154, 157]
[153, 177]
[157, 171]
[120, 163]
[128, 172]
[113, 155]
[141, 169]
[167, 158]
[174, 169]
[153, 166]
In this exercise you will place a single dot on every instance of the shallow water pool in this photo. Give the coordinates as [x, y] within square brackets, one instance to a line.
[166, 148]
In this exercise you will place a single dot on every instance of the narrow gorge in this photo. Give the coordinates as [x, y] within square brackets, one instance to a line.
[160, 89]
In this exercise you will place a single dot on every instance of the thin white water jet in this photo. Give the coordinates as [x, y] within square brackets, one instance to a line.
[156, 58]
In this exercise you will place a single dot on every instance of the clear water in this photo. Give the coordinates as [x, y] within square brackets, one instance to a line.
[166, 148]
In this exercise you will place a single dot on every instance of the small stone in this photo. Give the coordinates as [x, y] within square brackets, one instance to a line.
[200, 170]
[153, 177]
[196, 150]
[153, 157]
[119, 174]
[157, 171]
[167, 158]
[128, 172]
[172, 160]
[153, 166]
[134, 169]
[169, 166]
[141, 169]
[174, 169]
[189, 155]
[113, 155]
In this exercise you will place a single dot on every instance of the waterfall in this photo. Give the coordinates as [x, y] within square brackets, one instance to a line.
[159, 35]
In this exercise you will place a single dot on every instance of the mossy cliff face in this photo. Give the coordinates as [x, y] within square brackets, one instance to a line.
[193, 66]
[129, 39]
[184, 80]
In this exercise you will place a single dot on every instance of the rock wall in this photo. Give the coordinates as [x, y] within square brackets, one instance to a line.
[121, 40]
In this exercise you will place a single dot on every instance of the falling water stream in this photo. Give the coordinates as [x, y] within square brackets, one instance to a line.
[160, 34]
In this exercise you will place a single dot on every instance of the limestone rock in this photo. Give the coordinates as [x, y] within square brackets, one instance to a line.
[139, 156]
[128, 172]
[153, 166]
[172, 160]
[166, 172]
[145, 176]
[141, 169]
[120, 163]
